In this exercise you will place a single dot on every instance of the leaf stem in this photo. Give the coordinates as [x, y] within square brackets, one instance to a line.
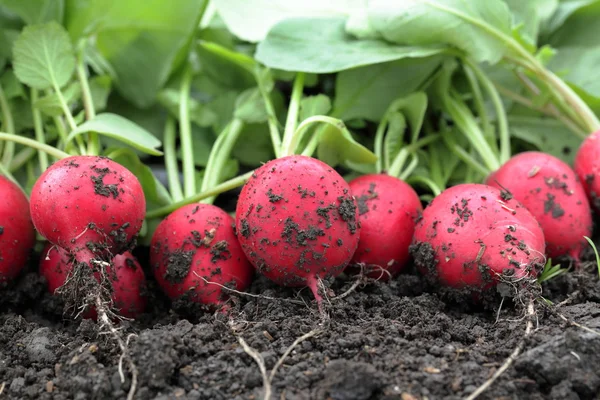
[69, 116]
[435, 189]
[88, 102]
[39, 129]
[171, 160]
[9, 125]
[221, 188]
[219, 155]
[381, 164]
[53, 151]
[292, 115]
[22, 157]
[271, 115]
[185, 135]
[306, 124]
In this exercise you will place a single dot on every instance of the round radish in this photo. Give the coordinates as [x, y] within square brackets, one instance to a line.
[388, 208]
[89, 205]
[297, 222]
[471, 234]
[551, 191]
[587, 168]
[17, 236]
[194, 252]
[125, 274]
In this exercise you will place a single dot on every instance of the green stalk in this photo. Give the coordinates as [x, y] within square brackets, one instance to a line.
[221, 188]
[39, 129]
[4, 171]
[381, 164]
[185, 135]
[503, 132]
[435, 189]
[22, 157]
[219, 155]
[88, 103]
[53, 151]
[306, 124]
[292, 115]
[478, 101]
[406, 172]
[397, 167]
[70, 119]
[271, 115]
[9, 124]
[171, 160]
[62, 131]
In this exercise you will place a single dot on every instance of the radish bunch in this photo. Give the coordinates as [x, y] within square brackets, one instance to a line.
[17, 236]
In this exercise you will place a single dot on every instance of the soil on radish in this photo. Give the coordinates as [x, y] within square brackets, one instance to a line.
[398, 340]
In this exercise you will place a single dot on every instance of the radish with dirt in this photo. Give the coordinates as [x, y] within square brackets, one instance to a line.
[91, 206]
[17, 236]
[587, 168]
[473, 235]
[552, 192]
[194, 253]
[297, 222]
[127, 280]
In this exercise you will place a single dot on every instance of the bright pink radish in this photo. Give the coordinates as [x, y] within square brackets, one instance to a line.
[388, 208]
[551, 191]
[88, 205]
[125, 274]
[17, 236]
[194, 251]
[587, 168]
[297, 222]
[471, 234]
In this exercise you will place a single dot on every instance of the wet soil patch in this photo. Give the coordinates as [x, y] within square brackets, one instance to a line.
[397, 340]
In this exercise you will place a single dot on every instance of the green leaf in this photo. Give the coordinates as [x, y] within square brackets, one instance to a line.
[50, 104]
[314, 105]
[478, 27]
[367, 92]
[323, 46]
[11, 85]
[4, 49]
[253, 146]
[36, 11]
[250, 107]
[528, 16]
[337, 145]
[250, 20]
[141, 39]
[565, 9]
[547, 135]
[412, 109]
[43, 56]
[202, 142]
[579, 29]
[100, 87]
[200, 114]
[122, 129]
[581, 72]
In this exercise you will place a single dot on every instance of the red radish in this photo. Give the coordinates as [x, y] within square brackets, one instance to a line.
[587, 168]
[17, 236]
[388, 208]
[125, 274]
[297, 222]
[88, 205]
[551, 191]
[471, 234]
[193, 246]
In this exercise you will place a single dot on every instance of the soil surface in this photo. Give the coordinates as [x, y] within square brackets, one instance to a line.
[397, 340]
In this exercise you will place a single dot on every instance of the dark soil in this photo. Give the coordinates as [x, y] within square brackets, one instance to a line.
[400, 340]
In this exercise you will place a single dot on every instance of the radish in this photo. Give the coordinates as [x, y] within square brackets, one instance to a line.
[587, 168]
[194, 252]
[125, 274]
[17, 236]
[297, 222]
[472, 234]
[551, 191]
[388, 208]
[89, 205]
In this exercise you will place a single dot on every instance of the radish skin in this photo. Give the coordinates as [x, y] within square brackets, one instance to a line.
[388, 208]
[552, 192]
[587, 168]
[297, 222]
[472, 234]
[17, 236]
[194, 250]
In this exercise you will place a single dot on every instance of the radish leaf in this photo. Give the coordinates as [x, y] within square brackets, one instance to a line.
[43, 56]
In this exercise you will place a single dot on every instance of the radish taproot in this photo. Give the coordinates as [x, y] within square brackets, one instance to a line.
[89, 205]
[587, 168]
[194, 252]
[552, 192]
[128, 283]
[388, 208]
[17, 236]
[472, 234]
[297, 222]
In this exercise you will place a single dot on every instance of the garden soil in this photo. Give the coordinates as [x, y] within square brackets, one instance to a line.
[397, 340]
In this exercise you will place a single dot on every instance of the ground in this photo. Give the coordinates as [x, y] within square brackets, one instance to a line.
[398, 340]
